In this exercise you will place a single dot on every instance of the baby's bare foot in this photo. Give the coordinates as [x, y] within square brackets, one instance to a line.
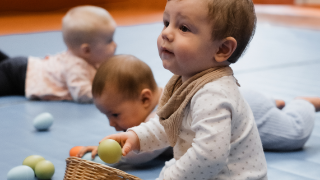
[280, 103]
[313, 100]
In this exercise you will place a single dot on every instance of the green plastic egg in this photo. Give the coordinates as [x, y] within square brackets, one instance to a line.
[44, 169]
[109, 151]
[32, 161]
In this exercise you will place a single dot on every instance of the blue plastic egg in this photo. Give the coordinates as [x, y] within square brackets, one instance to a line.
[21, 173]
[97, 159]
[43, 121]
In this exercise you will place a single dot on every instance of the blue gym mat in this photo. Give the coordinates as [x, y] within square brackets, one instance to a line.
[281, 62]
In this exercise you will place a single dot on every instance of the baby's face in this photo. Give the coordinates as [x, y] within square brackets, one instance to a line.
[122, 114]
[104, 46]
[185, 44]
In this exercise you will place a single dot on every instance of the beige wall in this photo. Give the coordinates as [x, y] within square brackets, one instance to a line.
[308, 2]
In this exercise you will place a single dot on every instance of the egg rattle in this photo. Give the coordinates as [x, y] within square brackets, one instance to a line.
[74, 151]
[44, 169]
[21, 173]
[43, 121]
[109, 151]
[32, 161]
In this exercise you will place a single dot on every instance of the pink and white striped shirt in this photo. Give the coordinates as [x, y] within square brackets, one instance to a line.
[60, 77]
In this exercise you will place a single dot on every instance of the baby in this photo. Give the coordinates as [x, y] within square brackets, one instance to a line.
[202, 114]
[88, 34]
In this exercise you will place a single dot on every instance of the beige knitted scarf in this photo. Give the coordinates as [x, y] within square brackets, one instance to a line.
[177, 95]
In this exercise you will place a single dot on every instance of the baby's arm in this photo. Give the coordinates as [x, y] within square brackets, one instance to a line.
[146, 137]
[134, 158]
[211, 122]
[152, 135]
[79, 82]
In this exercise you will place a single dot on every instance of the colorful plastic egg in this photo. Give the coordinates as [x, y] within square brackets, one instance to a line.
[21, 173]
[74, 151]
[44, 169]
[110, 151]
[43, 121]
[32, 161]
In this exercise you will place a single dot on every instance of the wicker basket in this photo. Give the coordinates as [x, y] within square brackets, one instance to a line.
[80, 169]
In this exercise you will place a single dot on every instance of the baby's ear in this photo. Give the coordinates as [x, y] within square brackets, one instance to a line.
[226, 48]
[146, 97]
[85, 49]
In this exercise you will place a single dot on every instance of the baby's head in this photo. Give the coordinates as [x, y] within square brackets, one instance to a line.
[200, 34]
[88, 33]
[125, 91]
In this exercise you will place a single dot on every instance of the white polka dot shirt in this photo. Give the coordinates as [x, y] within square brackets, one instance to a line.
[218, 137]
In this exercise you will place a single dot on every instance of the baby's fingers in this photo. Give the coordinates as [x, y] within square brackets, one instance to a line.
[113, 136]
[126, 149]
[82, 152]
[94, 153]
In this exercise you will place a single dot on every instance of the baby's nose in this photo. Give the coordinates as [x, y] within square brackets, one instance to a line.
[113, 124]
[167, 34]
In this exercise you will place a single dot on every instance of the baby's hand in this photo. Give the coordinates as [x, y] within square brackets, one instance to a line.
[93, 149]
[129, 141]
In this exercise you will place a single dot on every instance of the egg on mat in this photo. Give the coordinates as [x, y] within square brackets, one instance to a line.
[21, 173]
[110, 151]
[32, 161]
[43, 121]
[44, 169]
[74, 151]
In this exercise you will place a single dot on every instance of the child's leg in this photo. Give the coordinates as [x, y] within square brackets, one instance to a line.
[281, 130]
[3, 56]
[13, 76]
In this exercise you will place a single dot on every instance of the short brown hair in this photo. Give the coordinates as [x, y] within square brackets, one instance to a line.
[127, 74]
[233, 18]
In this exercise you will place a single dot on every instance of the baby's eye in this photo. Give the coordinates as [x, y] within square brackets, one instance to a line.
[166, 23]
[184, 29]
[110, 41]
[115, 115]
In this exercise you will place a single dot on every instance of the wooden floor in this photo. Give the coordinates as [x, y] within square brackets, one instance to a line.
[288, 15]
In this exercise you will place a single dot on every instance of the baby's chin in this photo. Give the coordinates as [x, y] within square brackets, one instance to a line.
[120, 129]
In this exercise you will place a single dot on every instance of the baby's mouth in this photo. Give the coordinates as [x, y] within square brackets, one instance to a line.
[165, 50]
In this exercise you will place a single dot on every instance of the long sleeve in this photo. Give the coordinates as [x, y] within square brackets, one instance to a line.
[134, 158]
[208, 154]
[218, 137]
[79, 81]
[151, 135]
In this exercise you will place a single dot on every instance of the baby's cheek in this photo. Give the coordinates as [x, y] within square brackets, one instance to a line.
[184, 52]
[159, 42]
[113, 48]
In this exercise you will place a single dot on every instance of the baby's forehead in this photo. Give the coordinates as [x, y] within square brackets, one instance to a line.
[187, 9]
[112, 95]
